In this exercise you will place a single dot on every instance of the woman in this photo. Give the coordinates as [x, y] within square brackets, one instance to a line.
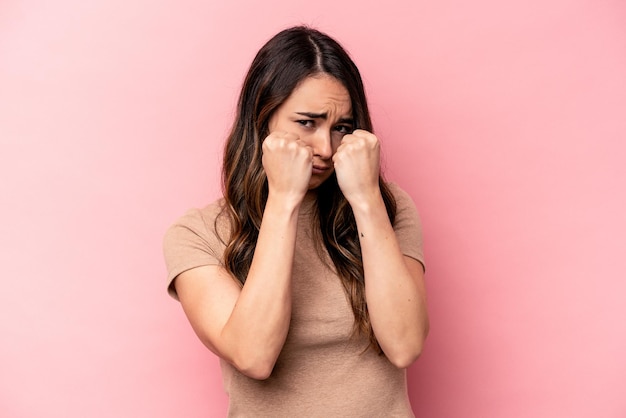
[306, 279]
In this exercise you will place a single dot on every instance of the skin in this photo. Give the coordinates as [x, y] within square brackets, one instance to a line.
[309, 139]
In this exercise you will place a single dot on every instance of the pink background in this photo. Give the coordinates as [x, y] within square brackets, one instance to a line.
[506, 121]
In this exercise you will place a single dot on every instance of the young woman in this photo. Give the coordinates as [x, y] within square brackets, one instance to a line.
[306, 278]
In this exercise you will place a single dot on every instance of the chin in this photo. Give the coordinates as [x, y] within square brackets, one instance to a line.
[316, 181]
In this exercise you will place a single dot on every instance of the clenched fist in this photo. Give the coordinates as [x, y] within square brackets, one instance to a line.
[288, 163]
[357, 166]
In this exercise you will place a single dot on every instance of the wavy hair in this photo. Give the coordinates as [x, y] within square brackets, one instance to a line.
[280, 65]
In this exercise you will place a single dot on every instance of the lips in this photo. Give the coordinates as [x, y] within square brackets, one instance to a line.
[318, 169]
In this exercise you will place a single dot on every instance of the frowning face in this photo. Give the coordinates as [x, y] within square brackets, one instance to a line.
[319, 111]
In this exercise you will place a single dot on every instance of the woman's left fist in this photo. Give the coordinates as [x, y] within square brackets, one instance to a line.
[357, 165]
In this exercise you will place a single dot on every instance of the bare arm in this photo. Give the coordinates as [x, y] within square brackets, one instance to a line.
[394, 286]
[394, 283]
[247, 326]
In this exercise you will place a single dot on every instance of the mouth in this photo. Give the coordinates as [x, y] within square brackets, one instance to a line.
[319, 169]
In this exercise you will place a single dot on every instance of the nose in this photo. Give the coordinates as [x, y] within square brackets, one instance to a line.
[322, 146]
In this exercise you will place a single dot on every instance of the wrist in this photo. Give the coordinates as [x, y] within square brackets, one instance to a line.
[283, 203]
[367, 203]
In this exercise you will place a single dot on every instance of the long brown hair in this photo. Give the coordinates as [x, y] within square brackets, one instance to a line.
[280, 65]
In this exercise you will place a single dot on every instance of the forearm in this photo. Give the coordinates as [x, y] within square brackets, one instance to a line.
[394, 291]
[257, 327]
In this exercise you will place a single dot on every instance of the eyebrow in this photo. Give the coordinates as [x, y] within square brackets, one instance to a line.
[324, 116]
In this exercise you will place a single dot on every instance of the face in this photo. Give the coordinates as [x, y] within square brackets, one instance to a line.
[320, 113]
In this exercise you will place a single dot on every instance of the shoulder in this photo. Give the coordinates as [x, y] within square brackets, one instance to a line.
[407, 224]
[201, 221]
[404, 202]
[196, 239]
[397, 191]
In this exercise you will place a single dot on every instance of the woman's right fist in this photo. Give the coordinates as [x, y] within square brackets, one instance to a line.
[287, 162]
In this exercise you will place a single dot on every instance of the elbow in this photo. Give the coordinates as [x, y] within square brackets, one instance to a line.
[252, 366]
[256, 372]
[252, 362]
[255, 368]
[403, 359]
[404, 356]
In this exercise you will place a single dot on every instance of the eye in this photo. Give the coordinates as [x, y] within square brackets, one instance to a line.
[307, 123]
[344, 129]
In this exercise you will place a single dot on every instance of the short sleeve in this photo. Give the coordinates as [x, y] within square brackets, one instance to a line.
[190, 242]
[407, 225]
